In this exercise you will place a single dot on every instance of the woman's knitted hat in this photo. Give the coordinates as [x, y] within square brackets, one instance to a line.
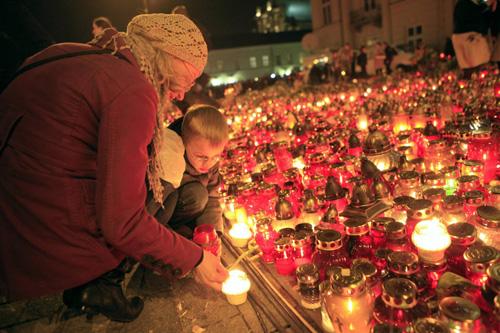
[174, 34]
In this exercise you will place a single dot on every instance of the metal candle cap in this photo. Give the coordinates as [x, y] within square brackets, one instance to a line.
[430, 325]
[356, 226]
[434, 194]
[479, 258]
[395, 230]
[459, 312]
[488, 216]
[420, 209]
[307, 273]
[364, 266]
[328, 240]
[282, 244]
[403, 262]
[452, 202]
[493, 273]
[474, 197]
[380, 223]
[399, 293]
[347, 282]
[462, 233]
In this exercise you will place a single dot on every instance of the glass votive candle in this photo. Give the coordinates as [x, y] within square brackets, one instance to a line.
[453, 210]
[463, 235]
[450, 175]
[473, 168]
[460, 315]
[468, 183]
[431, 240]
[488, 225]
[369, 270]
[206, 236]
[430, 325]
[283, 256]
[302, 248]
[265, 237]
[350, 305]
[236, 287]
[478, 259]
[473, 200]
[308, 283]
[240, 234]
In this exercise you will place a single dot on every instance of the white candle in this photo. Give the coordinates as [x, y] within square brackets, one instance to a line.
[236, 287]
[240, 234]
[431, 239]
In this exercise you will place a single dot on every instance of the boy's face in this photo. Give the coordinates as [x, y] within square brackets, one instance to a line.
[202, 154]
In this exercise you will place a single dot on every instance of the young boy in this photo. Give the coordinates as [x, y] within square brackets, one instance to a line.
[191, 149]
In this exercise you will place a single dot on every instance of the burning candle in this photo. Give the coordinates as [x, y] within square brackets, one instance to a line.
[431, 239]
[236, 287]
[240, 234]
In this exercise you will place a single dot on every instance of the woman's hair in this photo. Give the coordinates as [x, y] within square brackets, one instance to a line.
[205, 121]
[102, 22]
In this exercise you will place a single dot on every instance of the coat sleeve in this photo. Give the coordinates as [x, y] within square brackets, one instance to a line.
[125, 130]
[213, 211]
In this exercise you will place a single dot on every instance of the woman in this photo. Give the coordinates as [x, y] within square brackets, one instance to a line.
[75, 133]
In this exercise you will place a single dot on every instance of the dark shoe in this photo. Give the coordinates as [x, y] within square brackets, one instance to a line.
[104, 295]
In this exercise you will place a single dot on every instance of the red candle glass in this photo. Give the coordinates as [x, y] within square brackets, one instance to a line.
[283, 256]
[463, 235]
[206, 236]
[265, 237]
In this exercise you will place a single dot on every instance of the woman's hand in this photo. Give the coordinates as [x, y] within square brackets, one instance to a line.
[210, 271]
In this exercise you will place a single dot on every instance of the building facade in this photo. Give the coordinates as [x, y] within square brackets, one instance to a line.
[230, 65]
[363, 22]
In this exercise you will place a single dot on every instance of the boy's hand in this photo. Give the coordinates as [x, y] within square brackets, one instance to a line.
[210, 271]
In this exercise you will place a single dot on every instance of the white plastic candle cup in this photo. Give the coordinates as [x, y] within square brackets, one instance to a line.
[431, 239]
[240, 234]
[236, 287]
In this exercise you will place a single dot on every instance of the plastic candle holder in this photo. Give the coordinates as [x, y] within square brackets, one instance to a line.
[431, 239]
[236, 287]
[240, 234]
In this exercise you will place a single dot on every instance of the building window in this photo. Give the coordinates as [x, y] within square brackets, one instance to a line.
[253, 62]
[278, 60]
[219, 65]
[374, 4]
[265, 60]
[414, 36]
[327, 12]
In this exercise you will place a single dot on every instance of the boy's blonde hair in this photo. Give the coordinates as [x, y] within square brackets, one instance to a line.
[205, 121]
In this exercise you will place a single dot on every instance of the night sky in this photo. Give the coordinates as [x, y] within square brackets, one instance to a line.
[70, 20]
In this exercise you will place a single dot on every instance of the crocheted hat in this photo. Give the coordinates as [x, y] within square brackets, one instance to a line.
[173, 33]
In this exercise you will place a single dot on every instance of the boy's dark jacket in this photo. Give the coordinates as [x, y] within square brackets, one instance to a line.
[211, 180]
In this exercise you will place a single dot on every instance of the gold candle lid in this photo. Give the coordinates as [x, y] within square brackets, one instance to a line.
[282, 244]
[488, 216]
[479, 258]
[410, 178]
[395, 230]
[365, 267]
[421, 209]
[403, 262]
[474, 197]
[459, 312]
[493, 273]
[453, 202]
[434, 194]
[430, 325]
[399, 293]
[307, 273]
[462, 233]
[380, 223]
[347, 282]
[356, 226]
[328, 240]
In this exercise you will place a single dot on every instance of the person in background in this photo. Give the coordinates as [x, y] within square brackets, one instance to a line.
[470, 26]
[80, 132]
[389, 52]
[99, 24]
[362, 60]
[379, 58]
[193, 145]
